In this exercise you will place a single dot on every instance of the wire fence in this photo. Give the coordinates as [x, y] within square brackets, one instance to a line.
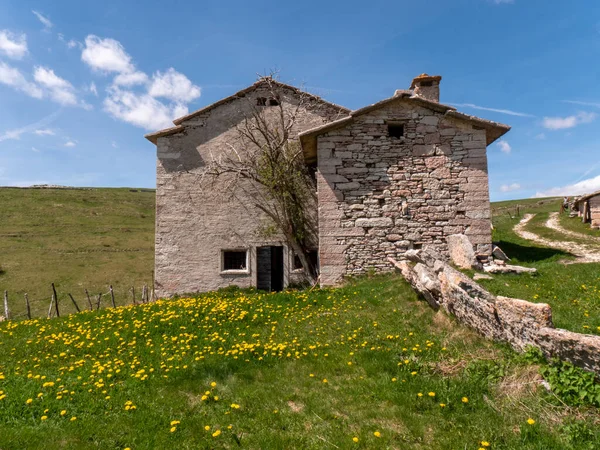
[66, 303]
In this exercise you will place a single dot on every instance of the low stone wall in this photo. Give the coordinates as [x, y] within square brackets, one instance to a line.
[518, 322]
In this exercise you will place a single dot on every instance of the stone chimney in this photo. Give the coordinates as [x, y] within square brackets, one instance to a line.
[427, 87]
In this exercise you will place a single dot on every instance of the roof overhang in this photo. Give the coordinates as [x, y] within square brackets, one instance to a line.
[308, 138]
[153, 137]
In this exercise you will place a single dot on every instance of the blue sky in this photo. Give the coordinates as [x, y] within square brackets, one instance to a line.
[82, 82]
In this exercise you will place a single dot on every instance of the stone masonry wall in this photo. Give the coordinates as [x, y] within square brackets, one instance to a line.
[595, 211]
[380, 196]
[197, 218]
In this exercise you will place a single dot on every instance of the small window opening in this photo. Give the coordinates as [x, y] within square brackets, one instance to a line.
[313, 258]
[273, 102]
[235, 260]
[381, 201]
[261, 101]
[395, 130]
[426, 83]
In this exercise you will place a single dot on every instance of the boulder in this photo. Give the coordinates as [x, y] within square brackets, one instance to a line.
[508, 268]
[482, 276]
[461, 251]
[499, 254]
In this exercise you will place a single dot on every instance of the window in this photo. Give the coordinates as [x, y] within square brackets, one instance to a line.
[273, 102]
[426, 83]
[236, 260]
[313, 257]
[261, 101]
[395, 130]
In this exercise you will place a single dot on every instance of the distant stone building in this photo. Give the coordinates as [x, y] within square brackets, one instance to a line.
[395, 175]
[588, 207]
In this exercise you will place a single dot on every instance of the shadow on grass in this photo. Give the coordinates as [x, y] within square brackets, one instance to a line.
[530, 254]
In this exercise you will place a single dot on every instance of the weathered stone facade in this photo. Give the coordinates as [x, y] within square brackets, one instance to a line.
[381, 195]
[393, 176]
[198, 218]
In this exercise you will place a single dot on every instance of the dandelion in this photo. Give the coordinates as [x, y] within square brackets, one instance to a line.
[213, 384]
[431, 394]
[442, 405]
[377, 434]
[73, 419]
[530, 421]
[325, 380]
[394, 380]
[235, 406]
[29, 401]
[175, 422]
[44, 417]
[173, 429]
[465, 400]
[216, 433]
[485, 444]
[63, 412]
[420, 394]
[355, 439]
[207, 427]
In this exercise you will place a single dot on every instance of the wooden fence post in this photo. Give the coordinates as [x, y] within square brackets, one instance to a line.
[6, 310]
[75, 303]
[99, 300]
[87, 294]
[112, 296]
[28, 306]
[133, 294]
[51, 305]
[55, 300]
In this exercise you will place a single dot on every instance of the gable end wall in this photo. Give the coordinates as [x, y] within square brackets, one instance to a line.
[380, 196]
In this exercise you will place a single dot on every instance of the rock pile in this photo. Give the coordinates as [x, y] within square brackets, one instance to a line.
[518, 322]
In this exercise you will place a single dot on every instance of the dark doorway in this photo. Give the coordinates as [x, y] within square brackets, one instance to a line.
[269, 262]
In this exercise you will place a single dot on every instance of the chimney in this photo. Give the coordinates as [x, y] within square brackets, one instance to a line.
[427, 87]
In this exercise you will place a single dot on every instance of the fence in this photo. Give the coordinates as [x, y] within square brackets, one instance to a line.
[91, 302]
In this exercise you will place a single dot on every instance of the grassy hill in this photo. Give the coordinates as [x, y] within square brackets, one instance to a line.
[76, 238]
[367, 366]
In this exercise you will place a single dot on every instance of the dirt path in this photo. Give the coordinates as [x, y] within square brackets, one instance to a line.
[584, 253]
[554, 223]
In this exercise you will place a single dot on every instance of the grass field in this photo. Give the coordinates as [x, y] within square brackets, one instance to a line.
[78, 239]
[367, 366]
[573, 290]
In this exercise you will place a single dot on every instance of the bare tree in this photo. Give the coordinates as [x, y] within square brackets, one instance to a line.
[268, 164]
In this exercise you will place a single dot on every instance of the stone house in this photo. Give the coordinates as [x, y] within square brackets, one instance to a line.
[588, 207]
[392, 176]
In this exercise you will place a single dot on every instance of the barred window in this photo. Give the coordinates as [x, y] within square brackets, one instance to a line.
[235, 260]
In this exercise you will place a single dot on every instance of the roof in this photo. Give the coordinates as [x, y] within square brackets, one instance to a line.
[494, 130]
[153, 137]
[586, 197]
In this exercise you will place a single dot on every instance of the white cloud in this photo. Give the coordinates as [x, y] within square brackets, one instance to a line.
[141, 110]
[510, 187]
[45, 132]
[45, 21]
[131, 79]
[14, 78]
[13, 45]
[61, 91]
[35, 149]
[576, 102]
[106, 55]
[70, 143]
[16, 133]
[73, 43]
[540, 136]
[581, 187]
[561, 123]
[174, 86]
[113, 144]
[485, 108]
[504, 146]
[93, 89]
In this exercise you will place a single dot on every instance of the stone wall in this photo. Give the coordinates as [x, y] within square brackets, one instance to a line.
[197, 218]
[594, 203]
[380, 196]
[518, 322]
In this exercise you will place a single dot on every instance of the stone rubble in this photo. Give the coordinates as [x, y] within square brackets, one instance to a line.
[518, 322]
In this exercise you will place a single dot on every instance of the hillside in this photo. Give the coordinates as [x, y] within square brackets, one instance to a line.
[76, 238]
[367, 366]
